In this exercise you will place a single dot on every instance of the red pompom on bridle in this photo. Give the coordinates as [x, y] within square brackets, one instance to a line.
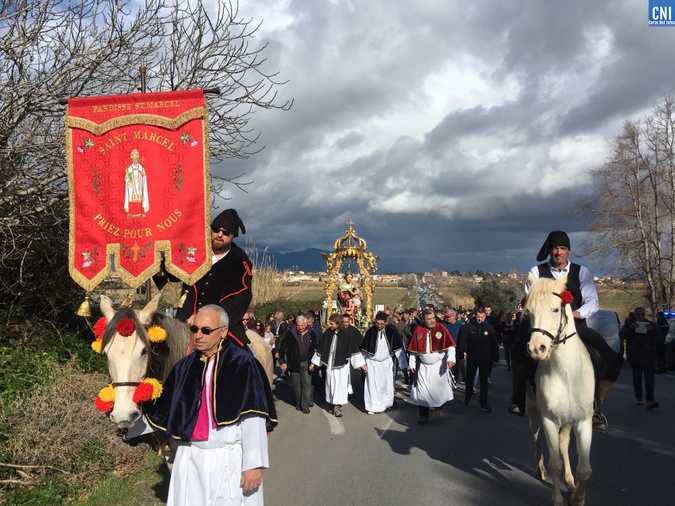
[125, 327]
[566, 297]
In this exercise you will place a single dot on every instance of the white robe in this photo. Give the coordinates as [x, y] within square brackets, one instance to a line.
[207, 473]
[432, 386]
[338, 386]
[378, 391]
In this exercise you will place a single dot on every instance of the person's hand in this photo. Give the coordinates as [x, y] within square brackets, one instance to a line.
[311, 367]
[412, 370]
[364, 368]
[251, 479]
[576, 314]
[283, 367]
[451, 364]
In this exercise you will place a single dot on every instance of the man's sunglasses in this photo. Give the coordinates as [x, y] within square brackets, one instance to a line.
[226, 233]
[205, 330]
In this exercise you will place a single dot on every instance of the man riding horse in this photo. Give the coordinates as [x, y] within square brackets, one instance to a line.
[606, 362]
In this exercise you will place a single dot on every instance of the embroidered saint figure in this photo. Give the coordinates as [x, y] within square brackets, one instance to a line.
[136, 202]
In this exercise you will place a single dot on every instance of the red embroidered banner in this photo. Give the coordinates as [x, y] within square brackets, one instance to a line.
[138, 180]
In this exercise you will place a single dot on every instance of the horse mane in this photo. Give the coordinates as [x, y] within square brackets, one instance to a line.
[164, 356]
[541, 289]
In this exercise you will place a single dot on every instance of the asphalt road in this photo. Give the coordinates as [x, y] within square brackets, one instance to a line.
[467, 457]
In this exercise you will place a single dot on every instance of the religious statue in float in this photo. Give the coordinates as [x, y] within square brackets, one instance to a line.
[354, 290]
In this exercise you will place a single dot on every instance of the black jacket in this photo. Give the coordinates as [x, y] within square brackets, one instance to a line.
[289, 350]
[479, 342]
[641, 348]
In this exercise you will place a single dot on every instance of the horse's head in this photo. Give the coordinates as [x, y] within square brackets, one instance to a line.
[549, 316]
[126, 347]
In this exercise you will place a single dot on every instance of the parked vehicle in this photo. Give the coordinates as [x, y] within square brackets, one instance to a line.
[606, 323]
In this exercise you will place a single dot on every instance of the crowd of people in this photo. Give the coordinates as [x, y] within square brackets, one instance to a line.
[218, 402]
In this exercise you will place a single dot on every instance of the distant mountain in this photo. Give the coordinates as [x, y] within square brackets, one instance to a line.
[310, 260]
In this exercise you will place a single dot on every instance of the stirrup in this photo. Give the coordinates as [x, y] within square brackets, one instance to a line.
[600, 423]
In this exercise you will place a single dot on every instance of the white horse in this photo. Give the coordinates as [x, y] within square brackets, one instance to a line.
[132, 358]
[565, 387]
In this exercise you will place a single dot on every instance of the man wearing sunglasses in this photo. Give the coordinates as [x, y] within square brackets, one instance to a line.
[218, 404]
[227, 284]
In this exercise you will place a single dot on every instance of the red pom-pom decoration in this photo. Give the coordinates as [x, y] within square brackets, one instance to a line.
[566, 297]
[125, 327]
[102, 406]
[99, 327]
[143, 393]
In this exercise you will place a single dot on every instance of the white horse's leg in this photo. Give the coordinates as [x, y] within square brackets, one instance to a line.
[584, 435]
[555, 463]
[535, 425]
[565, 432]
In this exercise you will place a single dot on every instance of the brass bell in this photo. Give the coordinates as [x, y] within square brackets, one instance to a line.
[85, 308]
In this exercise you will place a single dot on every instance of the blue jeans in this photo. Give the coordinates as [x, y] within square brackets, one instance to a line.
[648, 370]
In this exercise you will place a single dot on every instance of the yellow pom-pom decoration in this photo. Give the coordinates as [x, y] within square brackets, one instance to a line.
[97, 345]
[156, 387]
[156, 334]
[107, 394]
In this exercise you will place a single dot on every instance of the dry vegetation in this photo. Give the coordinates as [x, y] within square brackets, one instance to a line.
[55, 430]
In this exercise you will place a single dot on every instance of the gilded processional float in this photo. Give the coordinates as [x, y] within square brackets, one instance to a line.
[355, 290]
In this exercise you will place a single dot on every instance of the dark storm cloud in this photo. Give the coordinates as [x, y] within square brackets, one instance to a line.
[461, 132]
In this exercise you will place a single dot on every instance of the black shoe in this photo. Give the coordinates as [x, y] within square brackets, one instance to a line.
[298, 407]
[422, 420]
[652, 405]
[486, 409]
[337, 411]
[514, 409]
[311, 404]
[305, 410]
[467, 400]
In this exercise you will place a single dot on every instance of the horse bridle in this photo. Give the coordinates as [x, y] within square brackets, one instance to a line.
[131, 383]
[557, 339]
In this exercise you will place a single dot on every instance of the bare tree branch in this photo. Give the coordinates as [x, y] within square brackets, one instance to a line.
[632, 211]
[52, 49]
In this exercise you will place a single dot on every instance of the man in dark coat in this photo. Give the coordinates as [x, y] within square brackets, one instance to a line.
[478, 343]
[295, 352]
[642, 338]
[218, 403]
[227, 284]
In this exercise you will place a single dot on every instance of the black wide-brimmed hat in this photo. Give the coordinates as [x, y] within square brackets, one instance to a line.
[555, 238]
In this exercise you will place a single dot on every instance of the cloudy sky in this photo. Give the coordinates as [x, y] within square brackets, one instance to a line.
[458, 131]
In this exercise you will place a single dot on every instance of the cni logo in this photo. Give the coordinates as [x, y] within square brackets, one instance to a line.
[661, 13]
